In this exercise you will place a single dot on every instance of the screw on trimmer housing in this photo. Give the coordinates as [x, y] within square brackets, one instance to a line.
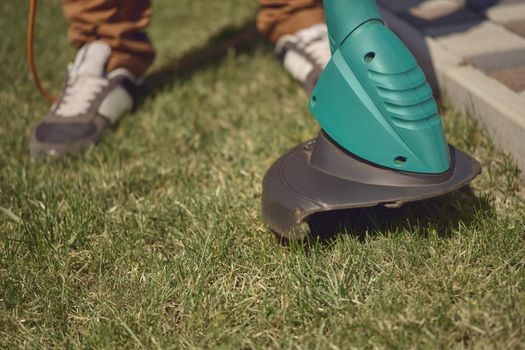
[381, 139]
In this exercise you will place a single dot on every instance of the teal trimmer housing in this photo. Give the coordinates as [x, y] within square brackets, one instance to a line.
[381, 140]
[373, 99]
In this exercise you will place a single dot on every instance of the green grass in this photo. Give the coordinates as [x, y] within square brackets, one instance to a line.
[154, 238]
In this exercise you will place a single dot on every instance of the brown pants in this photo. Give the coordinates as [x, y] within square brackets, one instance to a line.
[122, 23]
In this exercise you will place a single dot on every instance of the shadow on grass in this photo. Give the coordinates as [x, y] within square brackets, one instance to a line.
[241, 39]
[440, 215]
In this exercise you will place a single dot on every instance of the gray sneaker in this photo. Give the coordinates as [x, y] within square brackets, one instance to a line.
[91, 101]
[305, 54]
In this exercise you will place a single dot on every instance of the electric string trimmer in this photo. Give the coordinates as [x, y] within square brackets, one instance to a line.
[381, 139]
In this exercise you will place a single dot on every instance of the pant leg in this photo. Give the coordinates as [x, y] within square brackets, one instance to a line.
[120, 23]
[279, 17]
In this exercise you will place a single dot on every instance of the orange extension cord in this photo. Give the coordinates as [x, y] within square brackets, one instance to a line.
[30, 56]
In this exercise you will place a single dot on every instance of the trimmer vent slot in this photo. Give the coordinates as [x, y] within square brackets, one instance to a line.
[369, 57]
[400, 160]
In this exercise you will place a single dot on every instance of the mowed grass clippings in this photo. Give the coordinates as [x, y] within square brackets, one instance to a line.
[154, 238]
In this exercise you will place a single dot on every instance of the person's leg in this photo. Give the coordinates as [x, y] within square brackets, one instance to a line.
[119, 23]
[113, 53]
[285, 17]
[298, 30]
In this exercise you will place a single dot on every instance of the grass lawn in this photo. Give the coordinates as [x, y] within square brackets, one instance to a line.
[154, 239]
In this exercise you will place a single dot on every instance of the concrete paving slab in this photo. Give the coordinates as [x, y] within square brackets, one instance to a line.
[506, 13]
[513, 78]
[499, 109]
[517, 27]
[474, 40]
[498, 60]
[483, 5]
[398, 6]
[439, 12]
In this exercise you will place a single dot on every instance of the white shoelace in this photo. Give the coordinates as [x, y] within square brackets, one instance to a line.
[320, 51]
[81, 90]
[314, 42]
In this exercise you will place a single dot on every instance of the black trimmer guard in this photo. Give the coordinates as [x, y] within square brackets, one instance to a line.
[318, 176]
